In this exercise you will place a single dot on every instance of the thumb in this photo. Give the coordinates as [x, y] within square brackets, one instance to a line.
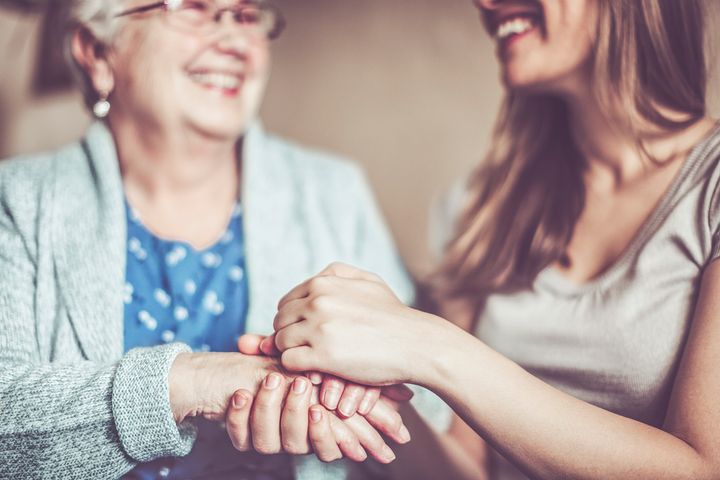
[249, 344]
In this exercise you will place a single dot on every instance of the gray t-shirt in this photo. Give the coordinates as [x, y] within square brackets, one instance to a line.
[616, 341]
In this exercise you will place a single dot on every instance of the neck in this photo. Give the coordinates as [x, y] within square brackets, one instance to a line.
[175, 166]
[611, 149]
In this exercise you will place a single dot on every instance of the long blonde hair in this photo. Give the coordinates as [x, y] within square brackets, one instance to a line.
[526, 197]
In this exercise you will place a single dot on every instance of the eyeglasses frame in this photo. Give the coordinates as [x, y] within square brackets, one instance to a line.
[165, 5]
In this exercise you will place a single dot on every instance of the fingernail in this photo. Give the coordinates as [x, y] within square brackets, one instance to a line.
[315, 415]
[346, 407]
[364, 407]
[331, 398]
[388, 454]
[315, 378]
[299, 385]
[239, 401]
[362, 454]
[272, 381]
[404, 434]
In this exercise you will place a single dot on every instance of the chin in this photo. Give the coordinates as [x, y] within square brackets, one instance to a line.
[524, 81]
[221, 128]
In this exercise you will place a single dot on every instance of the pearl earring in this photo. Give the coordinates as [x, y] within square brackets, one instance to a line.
[102, 106]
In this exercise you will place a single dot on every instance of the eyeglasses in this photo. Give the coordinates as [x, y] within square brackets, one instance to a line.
[203, 16]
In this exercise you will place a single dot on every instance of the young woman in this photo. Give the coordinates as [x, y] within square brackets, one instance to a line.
[582, 262]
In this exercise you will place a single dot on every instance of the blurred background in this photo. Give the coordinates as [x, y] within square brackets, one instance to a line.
[407, 88]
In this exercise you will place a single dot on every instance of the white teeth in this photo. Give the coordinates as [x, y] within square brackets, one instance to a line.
[217, 80]
[514, 26]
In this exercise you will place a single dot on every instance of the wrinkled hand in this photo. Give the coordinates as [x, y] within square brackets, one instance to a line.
[298, 426]
[301, 426]
[349, 323]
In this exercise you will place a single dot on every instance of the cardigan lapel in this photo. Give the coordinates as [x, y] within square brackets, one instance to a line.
[89, 237]
[270, 215]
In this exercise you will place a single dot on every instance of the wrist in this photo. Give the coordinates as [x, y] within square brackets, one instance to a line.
[432, 337]
[201, 384]
[181, 382]
[445, 356]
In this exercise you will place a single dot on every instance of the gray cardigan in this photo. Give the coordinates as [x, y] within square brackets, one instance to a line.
[72, 403]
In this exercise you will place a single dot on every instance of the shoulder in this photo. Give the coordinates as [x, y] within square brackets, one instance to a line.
[27, 187]
[313, 164]
[27, 174]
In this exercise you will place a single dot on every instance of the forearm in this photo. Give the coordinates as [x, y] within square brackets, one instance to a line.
[546, 432]
[431, 455]
[85, 419]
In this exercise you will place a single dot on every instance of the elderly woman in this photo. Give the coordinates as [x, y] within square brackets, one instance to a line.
[133, 258]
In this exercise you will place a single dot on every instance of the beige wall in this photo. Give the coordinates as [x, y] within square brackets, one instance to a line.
[408, 88]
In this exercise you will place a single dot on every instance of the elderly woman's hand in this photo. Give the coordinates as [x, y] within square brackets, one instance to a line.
[302, 426]
[272, 430]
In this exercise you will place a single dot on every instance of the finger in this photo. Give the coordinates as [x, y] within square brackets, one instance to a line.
[331, 391]
[370, 439]
[321, 437]
[268, 347]
[368, 401]
[237, 420]
[399, 392]
[265, 416]
[350, 400]
[348, 271]
[346, 440]
[301, 291]
[293, 336]
[388, 421]
[249, 344]
[300, 359]
[315, 377]
[294, 420]
[290, 312]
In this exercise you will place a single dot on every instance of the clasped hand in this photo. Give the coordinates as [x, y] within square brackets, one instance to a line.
[286, 415]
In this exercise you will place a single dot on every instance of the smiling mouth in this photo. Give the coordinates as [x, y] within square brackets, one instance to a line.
[225, 82]
[515, 26]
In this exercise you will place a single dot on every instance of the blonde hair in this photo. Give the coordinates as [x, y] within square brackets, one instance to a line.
[526, 197]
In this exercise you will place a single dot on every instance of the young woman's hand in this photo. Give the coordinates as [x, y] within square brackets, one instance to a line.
[349, 323]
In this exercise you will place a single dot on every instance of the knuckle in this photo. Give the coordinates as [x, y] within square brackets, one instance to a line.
[320, 303]
[294, 448]
[317, 284]
[292, 407]
[265, 448]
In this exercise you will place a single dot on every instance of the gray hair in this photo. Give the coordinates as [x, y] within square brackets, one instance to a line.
[98, 18]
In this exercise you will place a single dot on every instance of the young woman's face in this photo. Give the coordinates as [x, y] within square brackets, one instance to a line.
[542, 45]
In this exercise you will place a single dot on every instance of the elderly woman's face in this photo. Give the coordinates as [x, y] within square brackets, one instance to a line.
[210, 81]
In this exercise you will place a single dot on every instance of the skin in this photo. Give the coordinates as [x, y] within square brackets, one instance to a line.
[320, 319]
[177, 142]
